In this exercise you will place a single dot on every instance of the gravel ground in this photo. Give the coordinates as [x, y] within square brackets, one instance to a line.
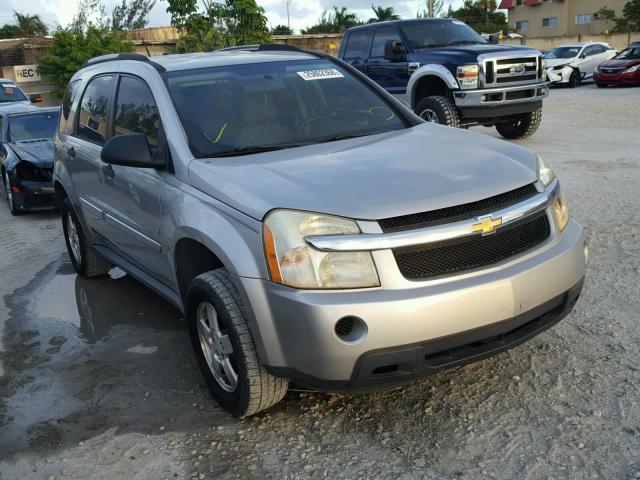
[99, 380]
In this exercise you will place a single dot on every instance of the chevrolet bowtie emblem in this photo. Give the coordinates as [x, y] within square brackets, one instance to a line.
[486, 225]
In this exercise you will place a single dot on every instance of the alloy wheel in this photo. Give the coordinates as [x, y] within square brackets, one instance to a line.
[429, 115]
[216, 347]
[74, 239]
[7, 187]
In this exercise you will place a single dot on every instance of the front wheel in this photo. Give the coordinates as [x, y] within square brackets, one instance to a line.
[574, 79]
[9, 193]
[522, 127]
[224, 348]
[438, 109]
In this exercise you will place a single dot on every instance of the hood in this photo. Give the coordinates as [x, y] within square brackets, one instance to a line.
[620, 63]
[37, 152]
[553, 62]
[386, 175]
[467, 53]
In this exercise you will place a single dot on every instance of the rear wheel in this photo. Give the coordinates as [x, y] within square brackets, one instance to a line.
[438, 109]
[575, 79]
[86, 261]
[224, 348]
[522, 127]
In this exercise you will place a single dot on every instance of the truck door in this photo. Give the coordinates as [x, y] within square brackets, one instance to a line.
[354, 50]
[391, 74]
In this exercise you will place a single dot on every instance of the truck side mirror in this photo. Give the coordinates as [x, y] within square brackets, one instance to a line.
[394, 51]
[35, 97]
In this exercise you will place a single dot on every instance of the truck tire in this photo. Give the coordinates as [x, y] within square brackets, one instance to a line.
[224, 348]
[86, 261]
[574, 79]
[523, 127]
[438, 109]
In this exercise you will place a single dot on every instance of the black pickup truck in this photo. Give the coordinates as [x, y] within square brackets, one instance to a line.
[449, 74]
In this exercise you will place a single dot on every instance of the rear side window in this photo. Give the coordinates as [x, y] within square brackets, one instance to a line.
[356, 43]
[93, 120]
[69, 97]
[380, 39]
[136, 110]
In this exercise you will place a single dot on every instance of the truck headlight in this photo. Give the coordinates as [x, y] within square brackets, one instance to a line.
[468, 76]
[545, 174]
[560, 211]
[295, 263]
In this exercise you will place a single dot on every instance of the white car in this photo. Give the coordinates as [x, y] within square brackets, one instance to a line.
[572, 63]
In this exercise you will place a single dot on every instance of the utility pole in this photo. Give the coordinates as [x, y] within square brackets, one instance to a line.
[430, 8]
[288, 18]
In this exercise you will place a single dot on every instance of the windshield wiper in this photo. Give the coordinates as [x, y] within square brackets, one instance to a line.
[347, 136]
[237, 152]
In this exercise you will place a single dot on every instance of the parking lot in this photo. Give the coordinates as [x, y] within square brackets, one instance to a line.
[99, 380]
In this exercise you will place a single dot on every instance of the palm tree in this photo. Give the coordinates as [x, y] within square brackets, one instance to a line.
[383, 14]
[30, 25]
[343, 18]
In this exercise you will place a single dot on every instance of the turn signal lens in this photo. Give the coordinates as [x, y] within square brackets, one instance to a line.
[561, 212]
[468, 76]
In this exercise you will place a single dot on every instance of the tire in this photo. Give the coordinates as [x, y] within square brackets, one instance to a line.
[575, 79]
[601, 85]
[438, 109]
[9, 195]
[222, 343]
[523, 127]
[86, 261]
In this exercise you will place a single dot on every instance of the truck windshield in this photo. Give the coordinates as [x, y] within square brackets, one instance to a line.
[32, 126]
[10, 93]
[257, 107]
[563, 52]
[439, 33]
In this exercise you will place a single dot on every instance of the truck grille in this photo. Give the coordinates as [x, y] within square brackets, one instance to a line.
[458, 212]
[440, 258]
[512, 71]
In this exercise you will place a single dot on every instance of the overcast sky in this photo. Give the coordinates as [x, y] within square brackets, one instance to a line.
[303, 13]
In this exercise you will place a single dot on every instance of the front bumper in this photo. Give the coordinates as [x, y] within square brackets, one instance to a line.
[620, 78]
[413, 328]
[559, 76]
[489, 101]
[34, 195]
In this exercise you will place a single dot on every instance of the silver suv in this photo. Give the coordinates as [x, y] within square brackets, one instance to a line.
[311, 228]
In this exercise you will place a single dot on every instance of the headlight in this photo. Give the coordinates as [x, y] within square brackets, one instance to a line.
[558, 67]
[635, 68]
[295, 263]
[468, 76]
[560, 211]
[545, 174]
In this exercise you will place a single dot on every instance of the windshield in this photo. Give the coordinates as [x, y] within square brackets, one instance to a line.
[241, 109]
[32, 126]
[563, 52]
[10, 93]
[438, 33]
[629, 54]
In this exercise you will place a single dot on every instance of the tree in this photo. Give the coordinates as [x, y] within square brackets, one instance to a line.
[383, 14]
[181, 10]
[70, 49]
[130, 15]
[438, 10]
[606, 15]
[90, 14]
[24, 25]
[630, 21]
[481, 15]
[336, 21]
[281, 30]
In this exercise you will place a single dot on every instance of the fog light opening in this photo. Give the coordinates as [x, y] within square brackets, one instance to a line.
[351, 329]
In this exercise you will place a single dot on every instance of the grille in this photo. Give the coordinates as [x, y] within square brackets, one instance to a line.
[344, 326]
[498, 71]
[611, 70]
[472, 252]
[519, 78]
[458, 212]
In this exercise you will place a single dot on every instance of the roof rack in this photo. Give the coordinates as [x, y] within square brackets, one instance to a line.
[112, 57]
[265, 47]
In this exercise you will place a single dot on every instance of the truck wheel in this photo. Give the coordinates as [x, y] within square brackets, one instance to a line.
[523, 127]
[438, 109]
[86, 261]
[574, 79]
[224, 348]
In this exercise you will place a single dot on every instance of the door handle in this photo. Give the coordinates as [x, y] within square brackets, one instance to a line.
[71, 152]
[107, 170]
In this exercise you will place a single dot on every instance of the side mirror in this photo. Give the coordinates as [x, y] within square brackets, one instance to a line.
[394, 51]
[130, 150]
[35, 97]
[584, 55]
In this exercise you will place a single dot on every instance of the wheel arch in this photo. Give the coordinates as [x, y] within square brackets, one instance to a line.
[433, 79]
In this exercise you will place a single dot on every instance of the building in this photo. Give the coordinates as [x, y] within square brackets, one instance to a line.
[550, 18]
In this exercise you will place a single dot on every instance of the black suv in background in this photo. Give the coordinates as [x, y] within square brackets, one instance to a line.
[449, 74]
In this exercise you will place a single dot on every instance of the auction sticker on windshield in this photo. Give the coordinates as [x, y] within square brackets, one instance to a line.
[320, 74]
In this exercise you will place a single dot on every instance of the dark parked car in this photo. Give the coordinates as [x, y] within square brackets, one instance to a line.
[623, 69]
[26, 156]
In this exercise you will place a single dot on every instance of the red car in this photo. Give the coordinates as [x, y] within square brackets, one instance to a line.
[623, 69]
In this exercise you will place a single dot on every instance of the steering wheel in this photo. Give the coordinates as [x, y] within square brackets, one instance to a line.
[302, 128]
